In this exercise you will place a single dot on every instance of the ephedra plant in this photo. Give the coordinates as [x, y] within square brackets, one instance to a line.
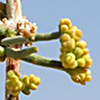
[16, 31]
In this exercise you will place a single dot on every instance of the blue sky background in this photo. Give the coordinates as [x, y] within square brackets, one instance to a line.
[57, 85]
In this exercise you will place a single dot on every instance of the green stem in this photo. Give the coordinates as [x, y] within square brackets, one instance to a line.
[47, 36]
[17, 54]
[43, 61]
[39, 37]
[13, 40]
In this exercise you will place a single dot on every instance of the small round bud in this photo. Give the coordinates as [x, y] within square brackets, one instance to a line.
[81, 62]
[76, 38]
[20, 85]
[65, 65]
[88, 78]
[64, 38]
[78, 52]
[86, 56]
[74, 65]
[33, 86]
[71, 32]
[32, 78]
[71, 44]
[82, 44]
[69, 59]
[10, 73]
[38, 80]
[83, 76]
[86, 51]
[66, 21]
[63, 28]
[88, 63]
[87, 72]
[2, 51]
[25, 80]
[14, 78]
[79, 33]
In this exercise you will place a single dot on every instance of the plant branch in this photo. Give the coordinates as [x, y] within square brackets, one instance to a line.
[43, 61]
[21, 40]
[47, 36]
[13, 9]
[17, 54]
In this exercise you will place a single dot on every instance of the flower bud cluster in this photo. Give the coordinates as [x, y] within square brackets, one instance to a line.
[15, 84]
[23, 27]
[74, 53]
[80, 75]
[30, 82]
[27, 29]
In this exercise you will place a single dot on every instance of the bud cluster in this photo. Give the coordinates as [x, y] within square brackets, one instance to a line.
[80, 75]
[30, 82]
[15, 84]
[74, 53]
[27, 29]
[23, 27]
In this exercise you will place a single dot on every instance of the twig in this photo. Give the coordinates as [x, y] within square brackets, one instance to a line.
[18, 54]
[39, 37]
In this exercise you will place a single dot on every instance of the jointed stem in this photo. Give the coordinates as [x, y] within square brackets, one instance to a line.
[43, 61]
[39, 37]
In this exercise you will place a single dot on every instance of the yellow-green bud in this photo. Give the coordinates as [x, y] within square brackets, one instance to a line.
[86, 56]
[83, 76]
[82, 44]
[69, 45]
[63, 28]
[87, 72]
[32, 78]
[66, 21]
[69, 59]
[88, 78]
[81, 62]
[66, 66]
[86, 51]
[88, 63]
[2, 51]
[76, 38]
[74, 28]
[14, 78]
[10, 73]
[25, 80]
[71, 32]
[64, 38]
[33, 86]
[78, 33]
[74, 65]
[78, 52]
[38, 80]
[20, 85]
